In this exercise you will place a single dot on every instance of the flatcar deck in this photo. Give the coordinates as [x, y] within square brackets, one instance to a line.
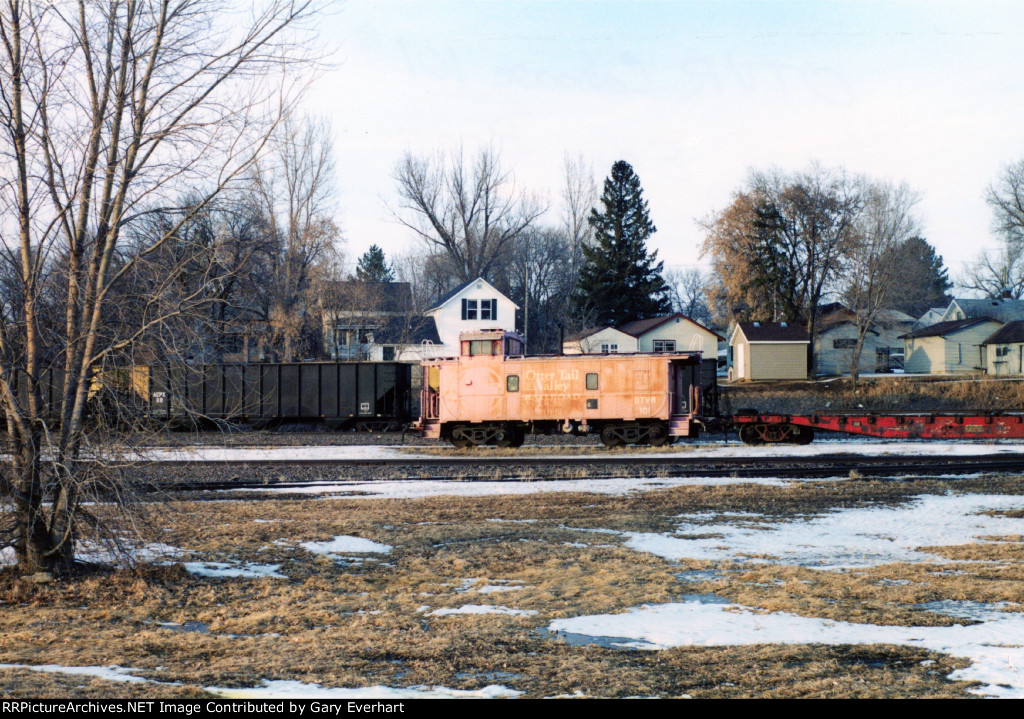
[769, 428]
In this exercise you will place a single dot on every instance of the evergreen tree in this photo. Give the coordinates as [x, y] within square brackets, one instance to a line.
[619, 281]
[373, 267]
[924, 279]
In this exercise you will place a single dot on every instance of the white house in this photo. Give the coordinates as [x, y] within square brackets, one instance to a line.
[949, 347]
[882, 349]
[668, 333]
[673, 333]
[599, 340]
[474, 305]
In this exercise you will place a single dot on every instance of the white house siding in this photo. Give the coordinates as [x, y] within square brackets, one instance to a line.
[956, 352]
[1005, 359]
[593, 344]
[449, 322]
[687, 336]
[836, 361]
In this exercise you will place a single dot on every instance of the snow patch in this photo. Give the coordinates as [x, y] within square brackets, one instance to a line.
[482, 609]
[997, 657]
[860, 537]
[300, 690]
[356, 545]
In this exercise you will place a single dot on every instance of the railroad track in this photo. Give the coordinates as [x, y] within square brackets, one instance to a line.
[518, 469]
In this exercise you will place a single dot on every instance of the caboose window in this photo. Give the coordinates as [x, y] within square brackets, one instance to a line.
[591, 380]
[512, 383]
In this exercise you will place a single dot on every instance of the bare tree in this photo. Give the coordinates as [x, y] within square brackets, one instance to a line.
[997, 273]
[779, 248]
[1006, 198]
[689, 296]
[885, 225]
[471, 214]
[110, 109]
[295, 184]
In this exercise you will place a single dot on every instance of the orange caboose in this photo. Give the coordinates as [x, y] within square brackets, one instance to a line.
[492, 394]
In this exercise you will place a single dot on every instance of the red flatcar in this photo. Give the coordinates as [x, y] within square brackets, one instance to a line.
[492, 394]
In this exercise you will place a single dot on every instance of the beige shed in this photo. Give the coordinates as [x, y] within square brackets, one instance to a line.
[768, 350]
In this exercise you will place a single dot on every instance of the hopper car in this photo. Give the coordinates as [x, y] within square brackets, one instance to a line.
[340, 395]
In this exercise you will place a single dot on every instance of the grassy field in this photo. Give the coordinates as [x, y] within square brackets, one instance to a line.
[365, 620]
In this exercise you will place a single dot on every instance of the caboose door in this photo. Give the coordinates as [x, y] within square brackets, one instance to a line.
[681, 387]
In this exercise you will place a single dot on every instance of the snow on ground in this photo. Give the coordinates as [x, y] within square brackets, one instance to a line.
[417, 488]
[111, 673]
[286, 689]
[859, 537]
[697, 450]
[233, 569]
[356, 545]
[994, 647]
[299, 690]
[482, 609]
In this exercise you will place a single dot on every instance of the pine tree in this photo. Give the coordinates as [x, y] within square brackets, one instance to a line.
[373, 267]
[619, 281]
[924, 279]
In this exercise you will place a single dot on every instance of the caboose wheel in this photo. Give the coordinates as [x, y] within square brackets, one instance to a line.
[459, 438]
[503, 437]
[658, 436]
[610, 437]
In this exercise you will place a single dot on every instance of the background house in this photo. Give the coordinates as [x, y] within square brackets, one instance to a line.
[768, 350]
[949, 347]
[599, 340]
[672, 333]
[882, 350]
[474, 305]
[1004, 350]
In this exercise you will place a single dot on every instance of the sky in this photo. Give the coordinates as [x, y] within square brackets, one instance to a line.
[694, 95]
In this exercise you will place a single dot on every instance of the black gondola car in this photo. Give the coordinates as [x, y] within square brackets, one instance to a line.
[356, 395]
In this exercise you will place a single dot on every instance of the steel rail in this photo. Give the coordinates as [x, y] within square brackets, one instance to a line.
[821, 466]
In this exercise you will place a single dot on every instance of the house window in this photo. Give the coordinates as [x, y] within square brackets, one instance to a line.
[844, 344]
[488, 309]
[389, 354]
[480, 309]
[664, 345]
[1003, 351]
[609, 347]
[591, 380]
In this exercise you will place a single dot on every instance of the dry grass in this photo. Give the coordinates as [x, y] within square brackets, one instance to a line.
[892, 394]
[362, 622]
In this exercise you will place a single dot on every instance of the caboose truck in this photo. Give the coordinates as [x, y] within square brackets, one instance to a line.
[492, 394]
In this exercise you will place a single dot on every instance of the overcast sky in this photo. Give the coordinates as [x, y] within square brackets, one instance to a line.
[692, 94]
